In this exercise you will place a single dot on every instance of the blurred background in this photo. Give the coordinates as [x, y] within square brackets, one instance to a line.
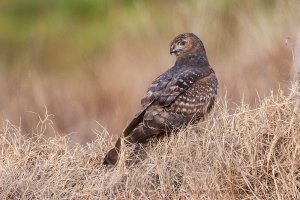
[90, 62]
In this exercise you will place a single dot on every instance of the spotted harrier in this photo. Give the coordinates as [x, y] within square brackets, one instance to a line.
[182, 95]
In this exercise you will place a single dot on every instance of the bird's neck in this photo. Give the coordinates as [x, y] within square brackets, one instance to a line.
[197, 59]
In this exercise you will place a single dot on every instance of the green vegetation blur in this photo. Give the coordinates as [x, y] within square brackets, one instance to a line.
[49, 29]
[58, 35]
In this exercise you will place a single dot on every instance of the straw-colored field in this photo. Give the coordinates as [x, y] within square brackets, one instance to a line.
[72, 74]
[251, 154]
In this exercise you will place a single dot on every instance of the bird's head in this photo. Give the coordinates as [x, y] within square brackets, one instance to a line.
[186, 43]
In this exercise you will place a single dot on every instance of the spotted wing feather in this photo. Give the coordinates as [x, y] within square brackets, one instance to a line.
[168, 86]
[165, 89]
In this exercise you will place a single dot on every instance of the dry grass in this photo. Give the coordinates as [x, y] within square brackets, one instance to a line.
[251, 154]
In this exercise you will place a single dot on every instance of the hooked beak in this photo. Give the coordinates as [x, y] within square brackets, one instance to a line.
[175, 48]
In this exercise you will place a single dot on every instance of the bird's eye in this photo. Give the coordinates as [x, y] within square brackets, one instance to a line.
[182, 43]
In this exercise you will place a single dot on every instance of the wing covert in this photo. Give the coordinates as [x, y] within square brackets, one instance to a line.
[165, 89]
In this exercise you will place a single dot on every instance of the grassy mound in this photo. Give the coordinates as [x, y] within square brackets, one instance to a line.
[250, 154]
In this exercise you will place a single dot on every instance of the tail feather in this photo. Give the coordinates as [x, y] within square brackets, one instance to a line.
[140, 134]
[112, 157]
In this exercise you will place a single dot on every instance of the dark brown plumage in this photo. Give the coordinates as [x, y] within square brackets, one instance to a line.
[183, 94]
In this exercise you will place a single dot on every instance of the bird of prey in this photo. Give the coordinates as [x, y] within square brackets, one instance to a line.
[181, 95]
